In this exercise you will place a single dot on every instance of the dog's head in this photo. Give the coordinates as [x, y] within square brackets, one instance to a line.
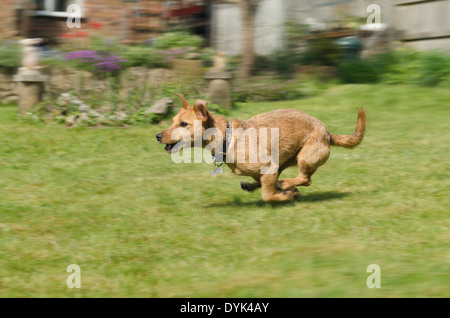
[185, 119]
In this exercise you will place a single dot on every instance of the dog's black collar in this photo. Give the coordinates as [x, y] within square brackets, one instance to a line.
[220, 157]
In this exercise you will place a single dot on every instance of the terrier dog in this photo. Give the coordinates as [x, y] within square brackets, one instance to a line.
[302, 140]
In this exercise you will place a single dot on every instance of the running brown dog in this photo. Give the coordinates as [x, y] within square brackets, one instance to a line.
[303, 140]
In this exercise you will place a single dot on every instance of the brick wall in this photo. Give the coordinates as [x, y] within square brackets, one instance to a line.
[120, 20]
[116, 18]
[7, 20]
[111, 14]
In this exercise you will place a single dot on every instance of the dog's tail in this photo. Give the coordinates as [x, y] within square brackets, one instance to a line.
[351, 141]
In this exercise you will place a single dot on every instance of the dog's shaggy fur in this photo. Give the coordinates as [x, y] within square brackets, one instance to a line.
[303, 141]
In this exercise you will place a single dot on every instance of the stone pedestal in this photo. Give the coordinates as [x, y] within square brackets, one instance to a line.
[219, 87]
[30, 87]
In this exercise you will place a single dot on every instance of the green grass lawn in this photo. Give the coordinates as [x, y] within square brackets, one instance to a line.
[138, 225]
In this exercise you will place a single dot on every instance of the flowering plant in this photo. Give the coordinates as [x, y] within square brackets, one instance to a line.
[99, 61]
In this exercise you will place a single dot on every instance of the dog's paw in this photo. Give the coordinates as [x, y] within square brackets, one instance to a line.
[245, 186]
[293, 193]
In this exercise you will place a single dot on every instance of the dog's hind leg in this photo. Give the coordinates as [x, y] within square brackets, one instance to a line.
[270, 192]
[313, 154]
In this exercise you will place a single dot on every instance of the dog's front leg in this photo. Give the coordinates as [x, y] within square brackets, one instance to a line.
[247, 186]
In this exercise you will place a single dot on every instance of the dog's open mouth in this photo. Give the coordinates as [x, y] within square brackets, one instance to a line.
[169, 147]
[175, 147]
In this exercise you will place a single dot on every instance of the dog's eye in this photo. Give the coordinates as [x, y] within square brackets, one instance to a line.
[183, 124]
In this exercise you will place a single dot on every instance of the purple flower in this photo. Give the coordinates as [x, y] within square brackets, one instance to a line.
[104, 62]
[86, 56]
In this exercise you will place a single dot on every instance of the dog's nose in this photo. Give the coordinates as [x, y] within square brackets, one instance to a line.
[159, 137]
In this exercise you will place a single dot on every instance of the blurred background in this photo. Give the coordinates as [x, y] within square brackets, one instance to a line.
[267, 40]
[86, 84]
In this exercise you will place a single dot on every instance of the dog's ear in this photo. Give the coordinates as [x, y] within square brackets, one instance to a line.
[200, 107]
[184, 102]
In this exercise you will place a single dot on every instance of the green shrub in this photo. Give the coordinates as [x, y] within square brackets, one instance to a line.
[10, 55]
[358, 71]
[322, 51]
[399, 67]
[140, 55]
[385, 61]
[283, 63]
[266, 89]
[435, 68]
[171, 40]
